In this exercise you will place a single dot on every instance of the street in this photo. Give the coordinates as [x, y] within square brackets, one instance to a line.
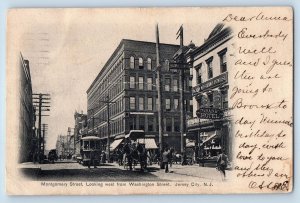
[72, 171]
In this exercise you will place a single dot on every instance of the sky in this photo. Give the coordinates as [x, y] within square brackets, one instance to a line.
[67, 49]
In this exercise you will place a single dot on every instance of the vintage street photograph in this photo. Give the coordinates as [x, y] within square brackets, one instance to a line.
[150, 100]
[142, 105]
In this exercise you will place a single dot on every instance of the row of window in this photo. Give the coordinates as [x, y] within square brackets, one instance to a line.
[170, 104]
[209, 62]
[170, 125]
[210, 100]
[141, 63]
[168, 84]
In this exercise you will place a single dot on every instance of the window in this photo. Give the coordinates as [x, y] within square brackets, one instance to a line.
[210, 100]
[142, 123]
[132, 82]
[132, 123]
[167, 84]
[176, 125]
[191, 105]
[225, 99]
[190, 84]
[141, 83]
[141, 63]
[132, 103]
[176, 104]
[209, 68]
[150, 105]
[149, 83]
[167, 62]
[175, 85]
[131, 62]
[150, 124]
[168, 104]
[141, 103]
[149, 64]
[223, 62]
[168, 124]
[157, 104]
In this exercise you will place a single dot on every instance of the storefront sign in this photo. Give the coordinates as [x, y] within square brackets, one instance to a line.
[223, 78]
[209, 113]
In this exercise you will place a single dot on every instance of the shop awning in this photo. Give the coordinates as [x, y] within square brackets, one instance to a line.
[115, 144]
[190, 144]
[211, 136]
[149, 143]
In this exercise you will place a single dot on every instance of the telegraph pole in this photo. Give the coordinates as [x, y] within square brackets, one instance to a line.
[41, 101]
[179, 57]
[45, 128]
[160, 109]
[108, 125]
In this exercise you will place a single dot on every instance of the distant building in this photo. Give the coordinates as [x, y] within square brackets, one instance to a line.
[62, 146]
[210, 90]
[28, 141]
[129, 80]
[79, 132]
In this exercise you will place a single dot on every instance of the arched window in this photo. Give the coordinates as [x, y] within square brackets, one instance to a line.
[167, 62]
[141, 63]
[149, 64]
[131, 62]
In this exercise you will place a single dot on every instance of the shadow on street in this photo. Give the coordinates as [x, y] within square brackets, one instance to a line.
[92, 174]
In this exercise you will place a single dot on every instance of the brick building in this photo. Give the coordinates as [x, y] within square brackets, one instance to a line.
[28, 140]
[210, 91]
[128, 79]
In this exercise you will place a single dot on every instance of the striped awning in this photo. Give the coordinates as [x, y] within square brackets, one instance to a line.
[115, 144]
[149, 143]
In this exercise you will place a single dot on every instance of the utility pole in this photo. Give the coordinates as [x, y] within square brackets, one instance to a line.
[44, 129]
[69, 140]
[159, 90]
[107, 102]
[41, 101]
[180, 61]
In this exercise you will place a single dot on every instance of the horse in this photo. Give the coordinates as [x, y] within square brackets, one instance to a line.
[135, 154]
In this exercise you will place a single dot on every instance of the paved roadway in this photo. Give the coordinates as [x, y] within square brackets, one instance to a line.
[72, 171]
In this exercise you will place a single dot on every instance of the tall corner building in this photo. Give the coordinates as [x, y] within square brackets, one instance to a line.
[210, 91]
[28, 141]
[128, 82]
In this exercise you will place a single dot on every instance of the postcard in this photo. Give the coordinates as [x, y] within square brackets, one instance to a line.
[114, 101]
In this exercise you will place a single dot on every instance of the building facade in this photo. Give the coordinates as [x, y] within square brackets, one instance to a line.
[210, 93]
[28, 141]
[128, 82]
[80, 124]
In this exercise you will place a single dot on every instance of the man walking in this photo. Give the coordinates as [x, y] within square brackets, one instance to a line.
[165, 159]
[222, 163]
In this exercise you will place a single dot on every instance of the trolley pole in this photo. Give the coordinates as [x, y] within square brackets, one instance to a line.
[159, 90]
[179, 57]
[107, 102]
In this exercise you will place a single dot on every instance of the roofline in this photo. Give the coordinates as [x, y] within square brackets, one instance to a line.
[113, 54]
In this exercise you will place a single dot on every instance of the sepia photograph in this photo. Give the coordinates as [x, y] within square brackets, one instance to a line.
[149, 101]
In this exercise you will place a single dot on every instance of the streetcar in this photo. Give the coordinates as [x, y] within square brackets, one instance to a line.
[90, 148]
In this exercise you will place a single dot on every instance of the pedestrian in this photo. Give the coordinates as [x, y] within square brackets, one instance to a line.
[222, 163]
[165, 159]
[171, 157]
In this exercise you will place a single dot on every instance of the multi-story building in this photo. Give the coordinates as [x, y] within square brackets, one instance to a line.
[128, 82]
[64, 146]
[27, 142]
[210, 91]
[80, 124]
